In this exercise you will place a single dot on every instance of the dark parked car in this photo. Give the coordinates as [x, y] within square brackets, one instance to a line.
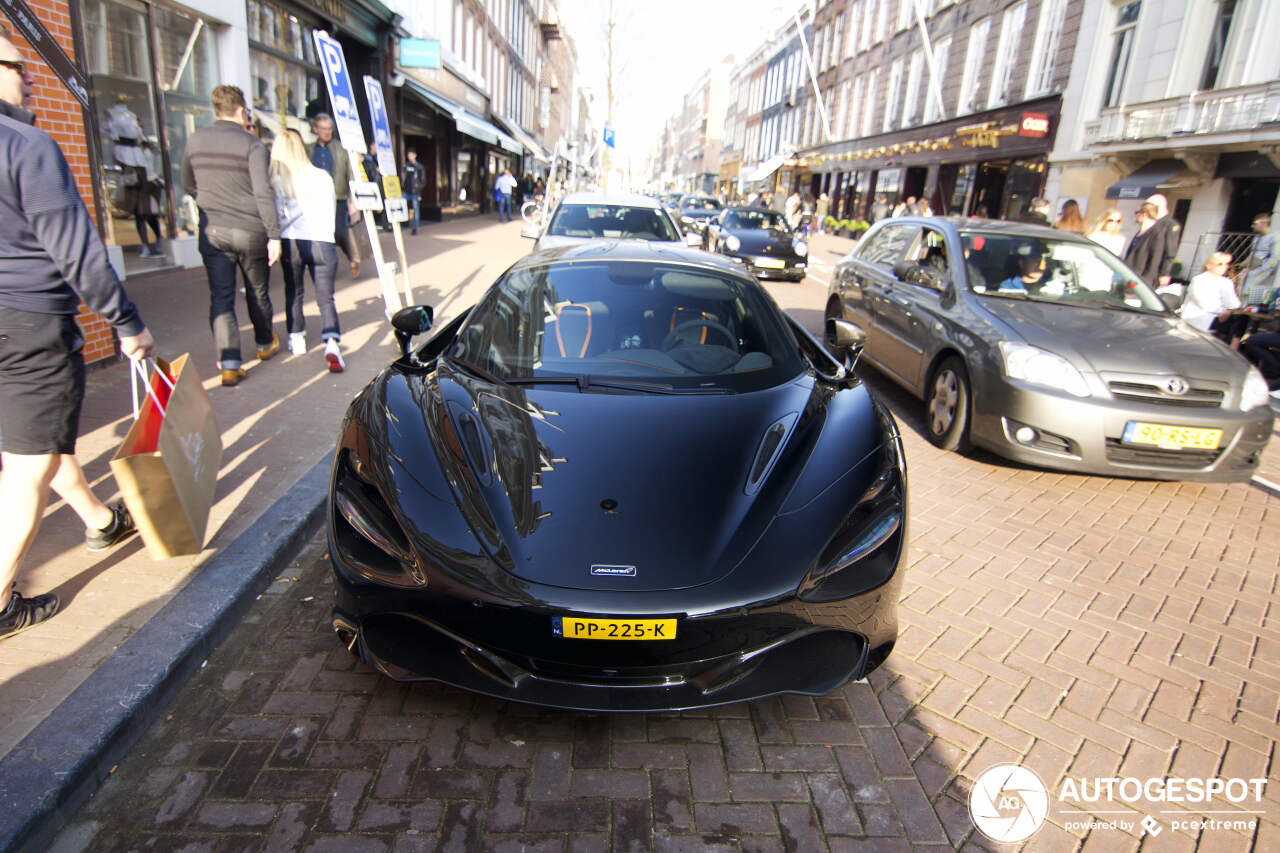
[1045, 348]
[624, 480]
[697, 211]
[761, 240]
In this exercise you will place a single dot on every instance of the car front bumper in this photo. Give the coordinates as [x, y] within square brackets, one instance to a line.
[793, 269]
[1086, 435]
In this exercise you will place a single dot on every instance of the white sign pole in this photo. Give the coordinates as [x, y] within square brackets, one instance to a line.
[387, 166]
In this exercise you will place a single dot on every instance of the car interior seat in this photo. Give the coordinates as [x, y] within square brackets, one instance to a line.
[638, 224]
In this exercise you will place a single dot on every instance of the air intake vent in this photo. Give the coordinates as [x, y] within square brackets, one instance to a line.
[775, 438]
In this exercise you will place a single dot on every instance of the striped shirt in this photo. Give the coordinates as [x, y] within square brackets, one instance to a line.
[225, 168]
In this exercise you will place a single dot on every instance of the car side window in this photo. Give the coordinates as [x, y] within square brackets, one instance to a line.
[929, 252]
[887, 245]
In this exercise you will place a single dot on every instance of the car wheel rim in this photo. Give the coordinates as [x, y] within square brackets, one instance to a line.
[942, 411]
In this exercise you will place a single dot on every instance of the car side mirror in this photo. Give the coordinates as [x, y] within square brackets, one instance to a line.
[693, 240]
[843, 337]
[530, 231]
[411, 321]
[1172, 301]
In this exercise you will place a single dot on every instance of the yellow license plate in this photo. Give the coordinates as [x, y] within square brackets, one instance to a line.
[770, 263]
[574, 628]
[1161, 435]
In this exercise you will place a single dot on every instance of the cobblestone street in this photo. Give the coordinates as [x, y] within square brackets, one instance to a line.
[1078, 626]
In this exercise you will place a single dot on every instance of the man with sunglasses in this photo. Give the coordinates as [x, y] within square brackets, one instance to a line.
[51, 259]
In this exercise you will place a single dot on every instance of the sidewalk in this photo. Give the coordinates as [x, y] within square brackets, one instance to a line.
[278, 425]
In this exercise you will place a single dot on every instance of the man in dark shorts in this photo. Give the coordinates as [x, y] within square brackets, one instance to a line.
[51, 258]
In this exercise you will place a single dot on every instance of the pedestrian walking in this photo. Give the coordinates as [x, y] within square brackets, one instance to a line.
[415, 178]
[791, 210]
[1142, 254]
[51, 259]
[503, 188]
[823, 205]
[226, 169]
[327, 153]
[1037, 213]
[304, 197]
[1165, 235]
[1069, 218]
[1260, 282]
[880, 208]
[1106, 232]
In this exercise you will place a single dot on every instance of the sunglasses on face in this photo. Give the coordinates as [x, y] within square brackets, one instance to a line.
[1114, 221]
[16, 64]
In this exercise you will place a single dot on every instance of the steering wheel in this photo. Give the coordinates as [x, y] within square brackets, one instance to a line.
[674, 335]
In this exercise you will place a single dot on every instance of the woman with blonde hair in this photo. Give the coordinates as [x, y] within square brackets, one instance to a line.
[1105, 231]
[304, 200]
[1069, 219]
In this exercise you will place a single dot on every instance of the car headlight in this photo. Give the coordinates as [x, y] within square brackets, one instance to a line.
[686, 220]
[732, 243]
[800, 247]
[1041, 367]
[1255, 392]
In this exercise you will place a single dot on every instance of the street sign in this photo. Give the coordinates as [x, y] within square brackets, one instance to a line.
[608, 135]
[391, 186]
[419, 53]
[53, 55]
[397, 210]
[345, 115]
[381, 126]
[365, 196]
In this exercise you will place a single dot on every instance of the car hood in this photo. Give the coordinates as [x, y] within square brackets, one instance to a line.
[1111, 341]
[607, 491]
[761, 241]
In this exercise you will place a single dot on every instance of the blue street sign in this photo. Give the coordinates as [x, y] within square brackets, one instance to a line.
[608, 135]
[419, 53]
[381, 126]
[345, 115]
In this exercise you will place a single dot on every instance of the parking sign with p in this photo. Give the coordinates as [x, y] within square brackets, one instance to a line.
[345, 115]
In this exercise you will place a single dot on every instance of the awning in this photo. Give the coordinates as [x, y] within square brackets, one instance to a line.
[765, 169]
[1151, 178]
[529, 143]
[468, 122]
[1246, 164]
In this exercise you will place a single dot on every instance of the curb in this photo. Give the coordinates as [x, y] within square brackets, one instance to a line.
[47, 777]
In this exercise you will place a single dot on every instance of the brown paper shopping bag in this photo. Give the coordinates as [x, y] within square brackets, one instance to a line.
[169, 487]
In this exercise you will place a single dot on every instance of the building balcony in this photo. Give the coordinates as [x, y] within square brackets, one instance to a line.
[1200, 114]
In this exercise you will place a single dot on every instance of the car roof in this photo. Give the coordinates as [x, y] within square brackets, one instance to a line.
[629, 199]
[994, 226]
[640, 251]
[699, 197]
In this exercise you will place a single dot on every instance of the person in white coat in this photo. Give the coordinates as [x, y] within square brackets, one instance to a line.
[304, 198]
[1210, 295]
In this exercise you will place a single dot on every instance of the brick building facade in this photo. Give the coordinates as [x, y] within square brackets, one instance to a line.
[58, 113]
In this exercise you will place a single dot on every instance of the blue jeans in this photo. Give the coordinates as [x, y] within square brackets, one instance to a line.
[224, 250]
[299, 256]
[415, 207]
[504, 207]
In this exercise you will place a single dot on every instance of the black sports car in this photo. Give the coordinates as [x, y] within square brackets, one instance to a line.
[624, 480]
[694, 212]
[761, 240]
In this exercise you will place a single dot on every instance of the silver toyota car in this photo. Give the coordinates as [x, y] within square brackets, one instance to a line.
[1043, 347]
[580, 217]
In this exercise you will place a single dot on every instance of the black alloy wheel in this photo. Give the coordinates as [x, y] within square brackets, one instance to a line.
[947, 406]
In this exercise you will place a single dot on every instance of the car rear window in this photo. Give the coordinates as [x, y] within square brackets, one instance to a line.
[613, 221]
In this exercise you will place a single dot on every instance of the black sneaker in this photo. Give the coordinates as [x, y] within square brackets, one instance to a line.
[121, 526]
[22, 613]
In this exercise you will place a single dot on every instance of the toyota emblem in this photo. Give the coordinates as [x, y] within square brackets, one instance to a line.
[1177, 386]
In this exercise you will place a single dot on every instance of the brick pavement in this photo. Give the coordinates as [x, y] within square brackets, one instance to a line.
[1079, 626]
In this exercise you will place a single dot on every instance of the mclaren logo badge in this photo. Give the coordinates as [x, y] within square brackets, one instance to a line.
[614, 571]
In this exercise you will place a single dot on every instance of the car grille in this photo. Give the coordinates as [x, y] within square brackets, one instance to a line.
[1199, 396]
[1158, 457]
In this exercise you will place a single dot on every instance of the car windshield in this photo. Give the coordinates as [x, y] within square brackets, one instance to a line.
[643, 326]
[763, 220]
[700, 204]
[1014, 266]
[612, 220]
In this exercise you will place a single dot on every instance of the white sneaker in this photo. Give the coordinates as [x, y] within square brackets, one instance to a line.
[144, 252]
[333, 355]
[298, 343]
